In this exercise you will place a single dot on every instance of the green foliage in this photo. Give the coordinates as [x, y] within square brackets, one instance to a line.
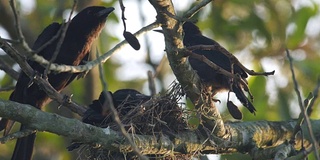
[300, 19]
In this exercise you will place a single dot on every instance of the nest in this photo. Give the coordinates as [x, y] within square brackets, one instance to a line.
[157, 115]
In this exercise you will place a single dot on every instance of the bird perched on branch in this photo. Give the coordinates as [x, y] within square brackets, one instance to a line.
[218, 81]
[83, 29]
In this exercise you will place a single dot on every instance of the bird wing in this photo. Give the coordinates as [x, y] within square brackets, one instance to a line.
[81, 74]
[215, 56]
[46, 35]
[18, 94]
[21, 85]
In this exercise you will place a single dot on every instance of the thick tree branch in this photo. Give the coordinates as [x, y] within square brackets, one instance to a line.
[244, 137]
[189, 80]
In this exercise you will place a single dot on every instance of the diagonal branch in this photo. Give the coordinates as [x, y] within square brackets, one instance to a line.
[89, 65]
[6, 68]
[17, 25]
[53, 94]
[303, 110]
[233, 59]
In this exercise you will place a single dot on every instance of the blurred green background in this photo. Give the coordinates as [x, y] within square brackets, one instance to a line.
[257, 32]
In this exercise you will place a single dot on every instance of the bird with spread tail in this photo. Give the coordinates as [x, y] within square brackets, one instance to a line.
[76, 44]
[218, 81]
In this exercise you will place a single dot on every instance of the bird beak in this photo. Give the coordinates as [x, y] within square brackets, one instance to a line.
[105, 12]
[158, 30]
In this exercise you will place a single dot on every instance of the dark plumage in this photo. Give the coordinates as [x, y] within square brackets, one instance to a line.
[193, 37]
[82, 31]
[124, 100]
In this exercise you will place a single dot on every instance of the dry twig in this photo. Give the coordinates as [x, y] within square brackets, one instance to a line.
[302, 108]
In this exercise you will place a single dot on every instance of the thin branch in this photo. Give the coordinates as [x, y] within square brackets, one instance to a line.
[151, 84]
[108, 104]
[300, 120]
[11, 41]
[296, 88]
[122, 15]
[116, 118]
[64, 28]
[10, 88]
[21, 38]
[301, 154]
[16, 135]
[217, 68]
[52, 93]
[315, 96]
[89, 65]
[56, 36]
[190, 13]
[232, 58]
[6, 68]
[101, 74]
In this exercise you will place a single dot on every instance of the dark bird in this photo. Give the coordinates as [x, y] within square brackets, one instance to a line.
[83, 29]
[124, 100]
[192, 37]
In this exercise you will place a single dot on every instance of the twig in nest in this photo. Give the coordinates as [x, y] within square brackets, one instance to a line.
[118, 121]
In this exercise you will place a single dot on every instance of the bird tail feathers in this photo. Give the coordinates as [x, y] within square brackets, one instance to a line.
[243, 98]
